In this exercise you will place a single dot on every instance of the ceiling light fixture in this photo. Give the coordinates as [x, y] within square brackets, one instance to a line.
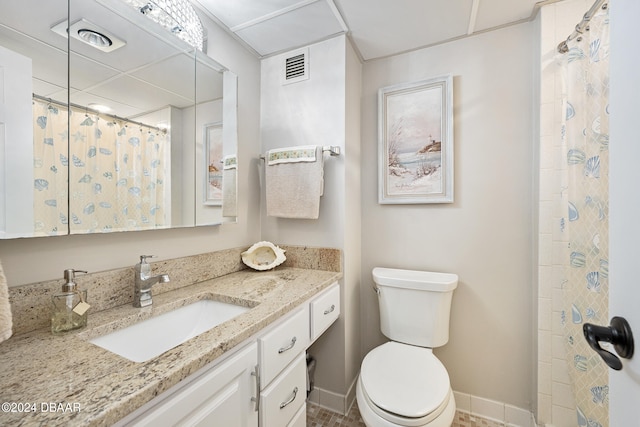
[99, 107]
[147, 8]
[89, 33]
[94, 38]
[177, 16]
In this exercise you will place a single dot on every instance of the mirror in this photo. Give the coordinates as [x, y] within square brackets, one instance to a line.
[131, 135]
[32, 61]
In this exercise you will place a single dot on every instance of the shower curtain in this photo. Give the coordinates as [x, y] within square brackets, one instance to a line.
[119, 172]
[117, 175]
[584, 227]
[50, 169]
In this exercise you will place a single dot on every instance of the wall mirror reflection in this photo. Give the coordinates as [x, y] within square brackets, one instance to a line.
[105, 129]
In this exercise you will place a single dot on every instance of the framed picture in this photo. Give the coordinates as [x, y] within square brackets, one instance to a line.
[213, 164]
[415, 142]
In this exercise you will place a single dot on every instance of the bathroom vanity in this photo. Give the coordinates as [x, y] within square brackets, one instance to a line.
[247, 371]
[260, 382]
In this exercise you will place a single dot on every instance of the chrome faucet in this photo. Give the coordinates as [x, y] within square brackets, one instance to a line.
[144, 281]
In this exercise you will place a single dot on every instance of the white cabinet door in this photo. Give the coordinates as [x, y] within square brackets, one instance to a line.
[218, 397]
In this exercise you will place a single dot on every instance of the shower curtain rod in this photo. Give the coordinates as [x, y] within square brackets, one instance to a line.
[582, 25]
[91, 110]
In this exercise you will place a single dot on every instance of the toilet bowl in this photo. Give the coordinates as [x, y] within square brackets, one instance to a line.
[401, 382]
[404, 385]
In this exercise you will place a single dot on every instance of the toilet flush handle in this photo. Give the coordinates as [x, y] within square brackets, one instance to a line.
[376, 290]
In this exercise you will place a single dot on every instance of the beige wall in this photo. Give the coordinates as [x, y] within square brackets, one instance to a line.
[323, 110]
[37, 259]
[353, 217]
[486, 235]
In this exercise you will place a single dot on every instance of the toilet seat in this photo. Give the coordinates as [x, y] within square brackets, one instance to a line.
[374, 416]
[405, 384]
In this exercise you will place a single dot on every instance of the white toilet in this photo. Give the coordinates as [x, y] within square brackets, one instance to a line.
[401, 382]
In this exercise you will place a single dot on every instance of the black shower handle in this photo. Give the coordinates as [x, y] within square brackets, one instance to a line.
[618, 333]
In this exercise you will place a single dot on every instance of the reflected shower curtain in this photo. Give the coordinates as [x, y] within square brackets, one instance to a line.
[585, 193]
[118, 173]
[49, 169]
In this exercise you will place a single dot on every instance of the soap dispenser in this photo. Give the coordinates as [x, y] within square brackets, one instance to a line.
[70, 306]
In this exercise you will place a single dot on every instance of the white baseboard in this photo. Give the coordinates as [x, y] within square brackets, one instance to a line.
[503, 413]
[499, 412]
[334, 402]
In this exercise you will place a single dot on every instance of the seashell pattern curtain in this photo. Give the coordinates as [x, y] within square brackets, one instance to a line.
[584, 227]
[50, 195]
[118, 173]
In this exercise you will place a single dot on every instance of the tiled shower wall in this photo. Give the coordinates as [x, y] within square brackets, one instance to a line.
[556, 405]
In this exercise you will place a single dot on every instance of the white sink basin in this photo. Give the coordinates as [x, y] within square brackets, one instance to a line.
[152, 337]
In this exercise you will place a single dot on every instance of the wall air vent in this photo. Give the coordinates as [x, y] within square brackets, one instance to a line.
[296, 67]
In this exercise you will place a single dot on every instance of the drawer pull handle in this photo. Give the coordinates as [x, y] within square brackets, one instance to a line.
[289, 347]
[330, 309]
[256, 400]
[284, 404]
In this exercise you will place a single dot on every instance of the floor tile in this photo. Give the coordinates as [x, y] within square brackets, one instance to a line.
[321, 417]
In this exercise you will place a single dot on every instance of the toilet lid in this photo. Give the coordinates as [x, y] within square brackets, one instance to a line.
[405, 380]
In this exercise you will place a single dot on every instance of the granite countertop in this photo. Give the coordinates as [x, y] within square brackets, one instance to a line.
[65, 380]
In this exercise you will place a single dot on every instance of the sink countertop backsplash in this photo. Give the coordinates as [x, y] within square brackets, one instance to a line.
[31, 304]
[98, 387]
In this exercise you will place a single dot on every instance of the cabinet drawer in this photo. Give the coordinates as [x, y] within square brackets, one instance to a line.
[325, 309]
[299, 419]
[280, 346]
[280, 402]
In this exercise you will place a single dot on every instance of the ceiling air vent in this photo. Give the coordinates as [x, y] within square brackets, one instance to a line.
[296, 67]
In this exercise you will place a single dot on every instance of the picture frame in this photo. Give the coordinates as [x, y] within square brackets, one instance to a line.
[415, 142]
[212, 138]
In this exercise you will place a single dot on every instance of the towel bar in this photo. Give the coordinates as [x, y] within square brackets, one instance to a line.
[333, 150]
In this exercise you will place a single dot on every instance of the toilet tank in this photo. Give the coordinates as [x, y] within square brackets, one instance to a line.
[415, 305]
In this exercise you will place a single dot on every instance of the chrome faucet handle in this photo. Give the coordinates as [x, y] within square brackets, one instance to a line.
[144, 281]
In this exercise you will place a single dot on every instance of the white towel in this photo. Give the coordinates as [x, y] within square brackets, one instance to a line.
[6, 323]
[230, 186]
[294, 182]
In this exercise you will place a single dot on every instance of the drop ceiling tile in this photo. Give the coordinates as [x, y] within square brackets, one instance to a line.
[125, 89]
[85, 73]
[380, 27]
[175, 74]
[20, 16]
[494, 13]
[297, 28]
[237, 12]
